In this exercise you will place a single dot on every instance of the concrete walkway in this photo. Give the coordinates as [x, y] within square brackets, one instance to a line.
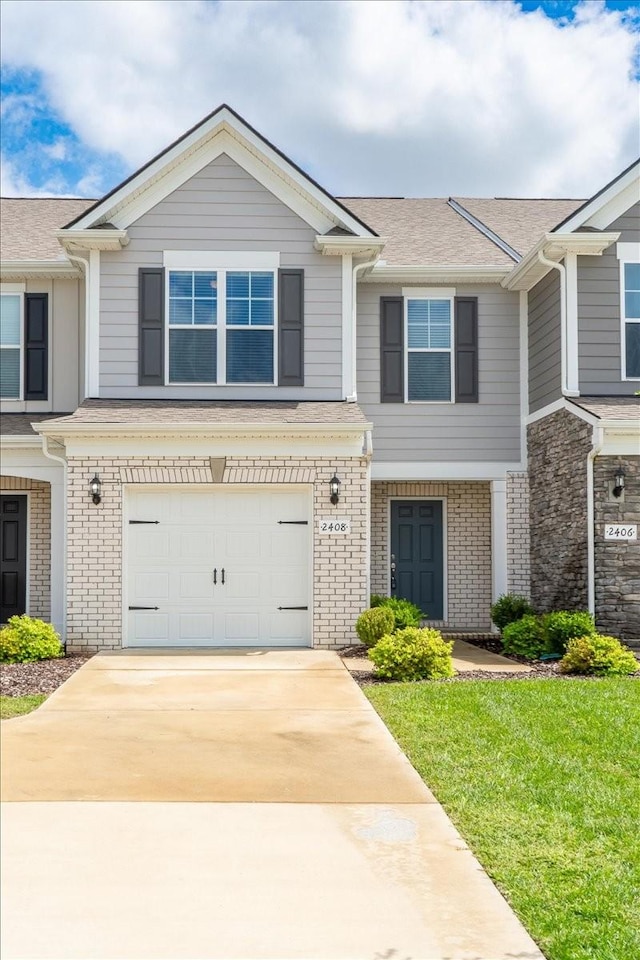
[467, 658]
[245, 805]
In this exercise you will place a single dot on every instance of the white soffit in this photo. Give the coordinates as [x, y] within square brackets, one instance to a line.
[222, 132]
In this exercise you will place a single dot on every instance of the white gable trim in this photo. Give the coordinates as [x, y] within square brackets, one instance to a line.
[221, 133]
[608, 205]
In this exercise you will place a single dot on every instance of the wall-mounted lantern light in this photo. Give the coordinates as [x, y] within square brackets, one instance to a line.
[95, 487]
[334, 489]
[618, 485]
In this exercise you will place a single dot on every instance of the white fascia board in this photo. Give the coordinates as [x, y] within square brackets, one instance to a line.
[96, 239]
[420, 470]
[38, 269]
[608, 205]
[563, 404]
[555, 246]
[60, 428]
[333, 246]
[620, 438]
[221, 133]
[445, 273]
[14, 442]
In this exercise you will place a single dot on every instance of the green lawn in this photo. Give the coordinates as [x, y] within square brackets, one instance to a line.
[16, 706]
[542, 778]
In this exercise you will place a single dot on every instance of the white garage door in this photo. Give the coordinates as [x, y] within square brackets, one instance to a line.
[221, 568]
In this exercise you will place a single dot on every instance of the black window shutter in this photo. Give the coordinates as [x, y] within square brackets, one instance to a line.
[151, 326]
[466, 340]
[290, 327]
[36, 346]
[391, 350]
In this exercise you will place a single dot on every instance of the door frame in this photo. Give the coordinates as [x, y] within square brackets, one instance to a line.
[445, 550]
[211, 488]
[27, 575]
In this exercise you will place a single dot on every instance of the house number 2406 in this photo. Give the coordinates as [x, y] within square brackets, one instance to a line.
[621, 531]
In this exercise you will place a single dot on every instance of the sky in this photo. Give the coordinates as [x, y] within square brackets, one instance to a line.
[370, 97]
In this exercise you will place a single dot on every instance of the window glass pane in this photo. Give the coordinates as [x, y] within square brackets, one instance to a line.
[205, 284]
[180, 311]
[262, 285]
[440, 335]
[10, 374]
[238, 312]
[192, 356]
[429, 323]
[237, 284]
[440, 310]
[418, 311]
[632, 305]
[633, 349]
[261, 312]
[181, 283]
[10, 319]
[204, 311]
[418, 335]
[632, 276]
[250, 356]
[429, 376]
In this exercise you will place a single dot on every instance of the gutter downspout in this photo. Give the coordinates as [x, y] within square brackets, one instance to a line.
[85, 270]
[354, 300]
[563, 319]
[591, 545]
[58, 459]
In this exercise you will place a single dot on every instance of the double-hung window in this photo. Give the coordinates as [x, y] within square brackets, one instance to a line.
[630, 309]
[11, 346]
[429, 354]
[221, 326]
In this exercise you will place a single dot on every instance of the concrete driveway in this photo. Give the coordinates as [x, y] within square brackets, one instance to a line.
[231, 805]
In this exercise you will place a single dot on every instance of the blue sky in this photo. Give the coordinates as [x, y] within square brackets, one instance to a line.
[83, 105]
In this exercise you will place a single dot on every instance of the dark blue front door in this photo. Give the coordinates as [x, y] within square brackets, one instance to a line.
[416, 552]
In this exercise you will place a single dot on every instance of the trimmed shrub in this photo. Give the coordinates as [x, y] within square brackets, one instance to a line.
[373, 624]
[405, 613]
[524, 637]
[599, 655]
[565, 625]
[508, 608]
[413, 654]
[26, 639]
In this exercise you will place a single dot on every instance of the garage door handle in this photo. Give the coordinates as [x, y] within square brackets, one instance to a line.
[293, 608]
[144, 608]
[215, 575]
[222, 575]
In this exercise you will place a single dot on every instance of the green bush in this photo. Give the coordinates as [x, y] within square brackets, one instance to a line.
[599, 655]
[413, 654]
[508, 608]
[373, 624]
[565, 625]
[524, 637]
[405, 613]
[25, 639]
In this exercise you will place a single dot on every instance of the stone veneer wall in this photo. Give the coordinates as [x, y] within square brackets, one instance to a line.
[617, 564]
[39, 533]
[468, 530]
[94, 611]
[558, 448]
[518, 540]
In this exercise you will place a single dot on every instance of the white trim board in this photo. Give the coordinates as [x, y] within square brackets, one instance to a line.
[607, 206]
[401, 471]
[562, 404]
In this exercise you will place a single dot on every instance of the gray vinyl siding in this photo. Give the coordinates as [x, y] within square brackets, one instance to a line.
[64, 346]
[488, 431]
[220, 208]
[599, 316]
[545, 342]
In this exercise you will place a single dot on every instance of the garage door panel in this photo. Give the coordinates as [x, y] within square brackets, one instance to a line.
[266, 565]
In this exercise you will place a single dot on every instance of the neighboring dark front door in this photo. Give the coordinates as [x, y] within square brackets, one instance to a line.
[13, 555]
[416, 552]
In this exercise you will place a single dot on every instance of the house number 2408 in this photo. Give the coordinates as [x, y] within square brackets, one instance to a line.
[333, 526]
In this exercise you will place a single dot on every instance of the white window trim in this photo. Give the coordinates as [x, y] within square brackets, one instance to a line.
[623, 318]
[429, 293]
[220, 326]
[12, 290]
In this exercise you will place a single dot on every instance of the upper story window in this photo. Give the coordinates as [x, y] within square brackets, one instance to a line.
[221, 326]
[429, 356]
[630, 302]
[11, 326]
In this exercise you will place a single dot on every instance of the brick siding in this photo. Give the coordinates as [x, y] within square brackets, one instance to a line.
[518, 540]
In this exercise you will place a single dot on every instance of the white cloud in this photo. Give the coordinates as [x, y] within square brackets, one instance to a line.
[14, 184]
[422, 98]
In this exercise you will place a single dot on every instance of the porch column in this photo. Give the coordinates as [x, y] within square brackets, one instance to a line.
[58, 555]
[498, 537]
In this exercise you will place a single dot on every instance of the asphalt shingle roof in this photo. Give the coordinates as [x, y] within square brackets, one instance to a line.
[28, 226]
[520, 222]
[19, 424]
[611, 408]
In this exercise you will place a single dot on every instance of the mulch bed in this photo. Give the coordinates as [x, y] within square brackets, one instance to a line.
[44, 676]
